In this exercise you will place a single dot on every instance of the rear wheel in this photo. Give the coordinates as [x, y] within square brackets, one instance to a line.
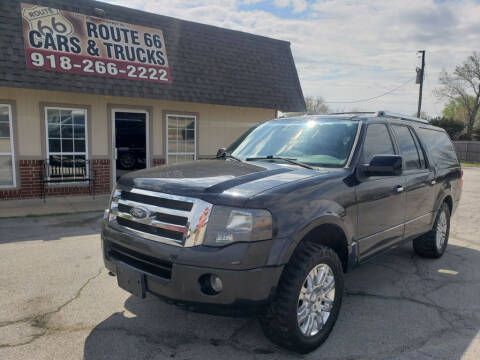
[308, 299]
[434, 243]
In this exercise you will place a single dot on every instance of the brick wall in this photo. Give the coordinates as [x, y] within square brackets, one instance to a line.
[30, 181]
[102, 176]
[158, 162]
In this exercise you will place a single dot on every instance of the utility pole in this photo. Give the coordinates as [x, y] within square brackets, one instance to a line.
[420, 76]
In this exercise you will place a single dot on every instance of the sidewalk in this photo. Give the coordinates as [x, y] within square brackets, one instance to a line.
[52, 205]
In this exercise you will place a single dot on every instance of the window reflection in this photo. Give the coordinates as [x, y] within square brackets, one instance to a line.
[180, 138]
[66, 142]
[318, 142]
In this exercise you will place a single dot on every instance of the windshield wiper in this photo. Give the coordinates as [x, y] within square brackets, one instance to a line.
[226, 155]
[289, 160]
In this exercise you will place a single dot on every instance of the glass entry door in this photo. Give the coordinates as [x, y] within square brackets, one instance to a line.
[130, 141]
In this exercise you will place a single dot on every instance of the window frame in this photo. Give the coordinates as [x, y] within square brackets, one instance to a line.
[421, 149]
[61, 153]
[390, 134]
[167, 153]
[12, 148]
[412, 135]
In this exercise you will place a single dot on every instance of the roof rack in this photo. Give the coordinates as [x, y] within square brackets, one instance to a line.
[383, 114]
[353, 113]
[400, 116]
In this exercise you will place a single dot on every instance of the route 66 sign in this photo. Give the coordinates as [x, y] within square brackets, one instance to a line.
[45, 19]
[61, 40]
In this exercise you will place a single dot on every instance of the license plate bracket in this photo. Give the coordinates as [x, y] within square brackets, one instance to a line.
[130, 279]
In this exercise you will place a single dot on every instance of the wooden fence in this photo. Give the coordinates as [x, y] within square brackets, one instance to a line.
[468, 151]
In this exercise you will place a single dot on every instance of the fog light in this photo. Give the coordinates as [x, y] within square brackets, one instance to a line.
[210, 284]
[216, 283]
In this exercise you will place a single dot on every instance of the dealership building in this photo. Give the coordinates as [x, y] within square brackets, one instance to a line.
[90, 91]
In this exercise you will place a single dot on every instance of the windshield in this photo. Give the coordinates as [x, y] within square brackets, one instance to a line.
[316, 142]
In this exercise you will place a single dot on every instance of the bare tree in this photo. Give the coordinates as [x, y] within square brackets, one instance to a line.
[316, 105]
[463, 85]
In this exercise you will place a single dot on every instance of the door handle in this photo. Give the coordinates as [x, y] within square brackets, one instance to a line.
[399, 189]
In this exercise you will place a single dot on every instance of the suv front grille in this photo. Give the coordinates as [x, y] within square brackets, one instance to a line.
[172, 219]
[176, 235]
[161, 202]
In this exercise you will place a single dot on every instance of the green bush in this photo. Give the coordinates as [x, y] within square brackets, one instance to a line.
[464, 137]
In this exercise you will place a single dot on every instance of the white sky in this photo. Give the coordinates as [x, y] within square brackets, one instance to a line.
[350, 49]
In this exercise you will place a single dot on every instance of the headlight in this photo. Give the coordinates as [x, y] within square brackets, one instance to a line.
[113, 209]
[227, 225]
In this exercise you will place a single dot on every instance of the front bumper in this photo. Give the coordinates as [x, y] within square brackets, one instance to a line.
[173, 273]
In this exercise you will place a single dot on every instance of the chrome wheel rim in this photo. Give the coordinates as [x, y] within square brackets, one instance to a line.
[441, 233]
[315, 301]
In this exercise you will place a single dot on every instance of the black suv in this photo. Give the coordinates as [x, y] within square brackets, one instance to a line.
[272, 224]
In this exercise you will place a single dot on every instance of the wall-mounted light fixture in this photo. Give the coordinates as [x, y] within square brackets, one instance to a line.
[99, 12]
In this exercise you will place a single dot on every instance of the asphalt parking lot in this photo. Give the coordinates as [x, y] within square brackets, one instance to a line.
[58, 302]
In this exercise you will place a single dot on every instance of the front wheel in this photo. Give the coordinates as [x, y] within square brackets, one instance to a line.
[308, 299]
[434, 243]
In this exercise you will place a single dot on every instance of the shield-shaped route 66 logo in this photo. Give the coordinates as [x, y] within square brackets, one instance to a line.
[47, 20]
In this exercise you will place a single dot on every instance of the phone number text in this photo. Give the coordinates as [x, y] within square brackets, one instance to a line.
[83, 65]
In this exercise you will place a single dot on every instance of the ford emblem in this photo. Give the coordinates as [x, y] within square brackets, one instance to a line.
[139, 213]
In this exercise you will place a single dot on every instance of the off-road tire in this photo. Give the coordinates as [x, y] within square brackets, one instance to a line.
[426, 245]
[279, 318]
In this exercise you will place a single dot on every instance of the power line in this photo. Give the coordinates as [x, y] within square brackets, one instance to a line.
[372, 98]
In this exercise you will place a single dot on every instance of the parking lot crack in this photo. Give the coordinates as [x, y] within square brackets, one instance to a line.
[76, 296]
[29, 341]
[455, 320]
[40, 321]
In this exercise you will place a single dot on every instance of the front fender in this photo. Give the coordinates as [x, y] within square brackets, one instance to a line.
[302, 206]
[283, 248]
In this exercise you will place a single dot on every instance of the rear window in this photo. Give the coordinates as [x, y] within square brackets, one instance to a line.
[440, 147]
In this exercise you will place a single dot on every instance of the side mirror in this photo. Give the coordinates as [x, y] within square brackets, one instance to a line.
[383, 165]
[220, 152]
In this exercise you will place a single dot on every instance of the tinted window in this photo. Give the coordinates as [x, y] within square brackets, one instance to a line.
[407, 147]
[237, 142]
[440, 147]
[377, 142]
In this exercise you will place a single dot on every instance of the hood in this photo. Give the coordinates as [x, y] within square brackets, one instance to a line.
[227, 182]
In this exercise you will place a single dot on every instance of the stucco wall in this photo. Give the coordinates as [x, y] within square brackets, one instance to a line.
[218, 125]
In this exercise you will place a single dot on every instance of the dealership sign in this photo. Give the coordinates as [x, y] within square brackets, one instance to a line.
[64, 41]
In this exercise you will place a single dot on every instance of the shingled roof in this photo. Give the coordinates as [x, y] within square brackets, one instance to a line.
[208, 64]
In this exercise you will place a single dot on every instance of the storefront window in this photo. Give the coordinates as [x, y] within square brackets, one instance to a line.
[181, 138]
[66, 143]
[7, 161]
